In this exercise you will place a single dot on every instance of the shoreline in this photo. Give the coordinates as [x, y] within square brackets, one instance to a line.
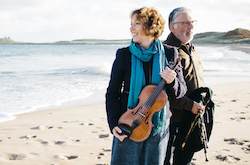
[80, 135]
[237, 47]
[241, 47]
[98, 96]
[94, 98]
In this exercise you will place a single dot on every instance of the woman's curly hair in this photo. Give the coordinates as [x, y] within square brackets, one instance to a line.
[153, 22]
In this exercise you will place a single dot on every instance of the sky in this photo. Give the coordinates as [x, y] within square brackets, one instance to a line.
[65, 20]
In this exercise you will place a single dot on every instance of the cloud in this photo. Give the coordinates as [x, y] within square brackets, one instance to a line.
[54, 20]
[21, 5]
[68, 19]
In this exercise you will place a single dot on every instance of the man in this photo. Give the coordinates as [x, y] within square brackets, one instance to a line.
[181, 26]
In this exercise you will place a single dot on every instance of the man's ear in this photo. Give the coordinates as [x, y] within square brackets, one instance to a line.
[172, 28]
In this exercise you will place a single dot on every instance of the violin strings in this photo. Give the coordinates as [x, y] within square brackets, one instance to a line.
[144, 108]
[150, 101]
[154, 96]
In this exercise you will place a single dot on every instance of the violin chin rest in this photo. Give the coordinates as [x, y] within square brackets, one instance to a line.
[127, 130]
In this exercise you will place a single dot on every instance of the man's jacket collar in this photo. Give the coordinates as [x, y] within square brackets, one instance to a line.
[172, 40]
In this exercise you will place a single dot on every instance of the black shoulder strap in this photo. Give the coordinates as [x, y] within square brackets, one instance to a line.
[168, 55]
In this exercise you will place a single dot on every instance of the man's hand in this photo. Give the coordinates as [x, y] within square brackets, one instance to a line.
[196, 107]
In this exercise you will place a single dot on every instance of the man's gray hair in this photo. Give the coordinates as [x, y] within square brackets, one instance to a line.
[174, 13]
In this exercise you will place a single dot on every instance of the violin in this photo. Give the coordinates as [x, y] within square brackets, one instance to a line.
[137, 123]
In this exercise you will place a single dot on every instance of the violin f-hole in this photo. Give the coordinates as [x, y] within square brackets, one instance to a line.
[134, 113]
[146, 119]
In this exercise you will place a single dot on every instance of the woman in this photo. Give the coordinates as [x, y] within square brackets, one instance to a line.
[143, 62]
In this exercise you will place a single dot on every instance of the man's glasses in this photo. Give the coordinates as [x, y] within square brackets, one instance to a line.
[187, 23]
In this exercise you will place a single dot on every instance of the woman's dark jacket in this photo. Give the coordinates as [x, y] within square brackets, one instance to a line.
[118, 89]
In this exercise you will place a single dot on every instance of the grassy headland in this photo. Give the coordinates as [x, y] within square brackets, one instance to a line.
[6, 41]
[239, 36]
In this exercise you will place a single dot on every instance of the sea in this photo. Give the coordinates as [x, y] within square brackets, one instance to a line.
[35, 77]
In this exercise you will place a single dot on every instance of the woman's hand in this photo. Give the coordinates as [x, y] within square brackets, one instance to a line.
[168, 75]
[117, 132]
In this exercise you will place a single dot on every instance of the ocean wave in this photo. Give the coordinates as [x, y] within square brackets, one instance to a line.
[7, 73]
[7, 60]
[103, 69]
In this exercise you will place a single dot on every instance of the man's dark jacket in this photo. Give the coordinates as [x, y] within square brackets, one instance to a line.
[193, 74]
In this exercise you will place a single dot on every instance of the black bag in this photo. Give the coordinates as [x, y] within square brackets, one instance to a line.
[194, 142]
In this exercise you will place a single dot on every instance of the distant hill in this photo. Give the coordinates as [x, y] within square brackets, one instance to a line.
[242, 33]
[231, 37]
[6, 41]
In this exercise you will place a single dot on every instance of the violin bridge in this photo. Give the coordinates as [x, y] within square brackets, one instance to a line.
[142, 114]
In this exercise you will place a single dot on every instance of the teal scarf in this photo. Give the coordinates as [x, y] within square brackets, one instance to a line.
[137, 79]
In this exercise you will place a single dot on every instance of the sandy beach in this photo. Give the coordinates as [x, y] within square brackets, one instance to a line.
[80, 135]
